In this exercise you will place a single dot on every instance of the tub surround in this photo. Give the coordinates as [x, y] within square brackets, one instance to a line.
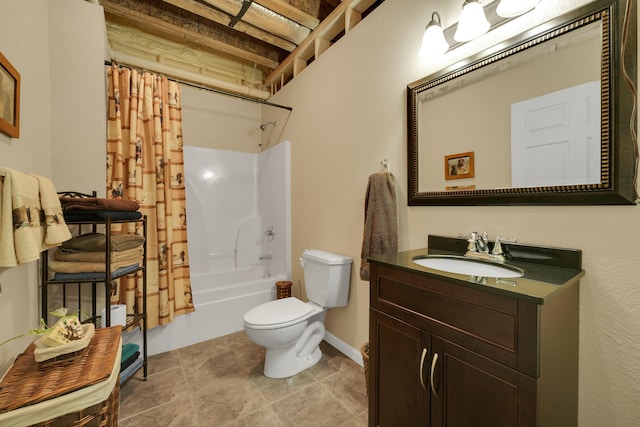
[546, 269]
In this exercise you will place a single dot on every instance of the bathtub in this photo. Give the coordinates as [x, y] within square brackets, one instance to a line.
[221, 299]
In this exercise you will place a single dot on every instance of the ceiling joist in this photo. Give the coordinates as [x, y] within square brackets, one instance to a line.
[273, 38]
[199, 9]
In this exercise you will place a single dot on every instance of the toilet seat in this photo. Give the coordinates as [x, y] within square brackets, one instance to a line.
[279, 313]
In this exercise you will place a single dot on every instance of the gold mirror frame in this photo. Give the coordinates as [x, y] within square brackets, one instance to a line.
[618, 120]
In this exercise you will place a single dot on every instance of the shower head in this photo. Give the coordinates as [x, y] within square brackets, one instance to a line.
[264, 125]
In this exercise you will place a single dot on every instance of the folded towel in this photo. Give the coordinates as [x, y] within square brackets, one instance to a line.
[128, 361]
[380, 235]
[71, 216]
[87, 267]
[98, 242]
[23, 234]
[95, 275]
[98, 204]
[75, 255]
[131, 369]
[128, 350]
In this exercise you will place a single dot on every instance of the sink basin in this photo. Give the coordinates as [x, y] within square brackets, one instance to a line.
[471, 267]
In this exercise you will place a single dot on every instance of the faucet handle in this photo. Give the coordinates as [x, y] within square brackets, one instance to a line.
[472, 238]
[497, 247]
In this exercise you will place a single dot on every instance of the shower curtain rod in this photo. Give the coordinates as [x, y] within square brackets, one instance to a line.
[211, 89]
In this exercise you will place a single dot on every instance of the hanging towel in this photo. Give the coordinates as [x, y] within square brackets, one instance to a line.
[23, 227]
[56, 230]
[380, 235]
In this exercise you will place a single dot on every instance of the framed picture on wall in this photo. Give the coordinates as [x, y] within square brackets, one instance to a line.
[9, 98]
[458, 166]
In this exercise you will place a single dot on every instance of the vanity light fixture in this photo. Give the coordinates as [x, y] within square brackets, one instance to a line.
[433, 41]
[513, 8]
[472, 22]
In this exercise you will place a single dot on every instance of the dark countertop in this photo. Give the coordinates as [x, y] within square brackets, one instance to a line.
[540, 282]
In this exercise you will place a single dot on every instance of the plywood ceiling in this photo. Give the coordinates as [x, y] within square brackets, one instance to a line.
[249, 47]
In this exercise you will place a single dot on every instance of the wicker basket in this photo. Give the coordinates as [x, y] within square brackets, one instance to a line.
[365, 358]
[283, 289]
[26, 386]
[103, 414]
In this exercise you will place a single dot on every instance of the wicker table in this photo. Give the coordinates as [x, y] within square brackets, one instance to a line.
[81, 393]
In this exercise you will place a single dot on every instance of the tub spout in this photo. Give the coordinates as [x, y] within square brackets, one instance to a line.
[264, 256]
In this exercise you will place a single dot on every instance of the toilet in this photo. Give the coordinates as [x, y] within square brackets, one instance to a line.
[291, 330]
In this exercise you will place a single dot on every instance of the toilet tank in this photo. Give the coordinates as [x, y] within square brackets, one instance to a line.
[327, 277]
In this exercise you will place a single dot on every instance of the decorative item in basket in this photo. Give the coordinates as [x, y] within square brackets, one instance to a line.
[65, 351]
[63, 342]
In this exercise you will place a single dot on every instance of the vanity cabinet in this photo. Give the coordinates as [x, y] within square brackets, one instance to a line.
[443, 352]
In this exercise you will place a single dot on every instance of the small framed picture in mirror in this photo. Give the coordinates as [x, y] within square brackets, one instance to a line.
[9, 98]
[457, 166]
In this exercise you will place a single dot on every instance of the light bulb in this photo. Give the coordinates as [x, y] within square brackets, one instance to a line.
[433, 41]
[472, 23]
[513, 8]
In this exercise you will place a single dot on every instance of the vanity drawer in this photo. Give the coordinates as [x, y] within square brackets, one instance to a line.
[493, 325]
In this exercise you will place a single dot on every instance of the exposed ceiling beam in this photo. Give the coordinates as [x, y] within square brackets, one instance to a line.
[214, 15]
[288, 11]
[272, 23]
[327, 30]
[175, 32]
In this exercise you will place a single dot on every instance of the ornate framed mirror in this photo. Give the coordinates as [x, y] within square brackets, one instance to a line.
[545, 118]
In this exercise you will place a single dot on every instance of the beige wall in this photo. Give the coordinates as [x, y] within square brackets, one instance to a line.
[349, 114]
[24, 42]
[222, 122]
[58, 48]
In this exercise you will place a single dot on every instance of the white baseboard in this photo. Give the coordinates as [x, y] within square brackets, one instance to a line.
[344, 348]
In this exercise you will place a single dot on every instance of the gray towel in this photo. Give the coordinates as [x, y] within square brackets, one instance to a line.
[380, 236]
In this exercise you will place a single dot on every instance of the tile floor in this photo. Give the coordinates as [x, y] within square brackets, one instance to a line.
[220, 383]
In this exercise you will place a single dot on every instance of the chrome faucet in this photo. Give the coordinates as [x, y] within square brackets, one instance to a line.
[478, 247]
[477, 243]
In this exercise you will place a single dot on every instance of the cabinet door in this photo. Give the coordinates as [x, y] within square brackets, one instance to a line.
[472, 390]
[399, 355]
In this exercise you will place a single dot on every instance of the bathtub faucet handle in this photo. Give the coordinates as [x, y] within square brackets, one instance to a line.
[270, 233]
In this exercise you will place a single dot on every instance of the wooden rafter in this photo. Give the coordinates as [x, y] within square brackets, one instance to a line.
[290, 12]
[272, 22]
[173, 31]
[214, 15]
[193, 39]
[343, 18]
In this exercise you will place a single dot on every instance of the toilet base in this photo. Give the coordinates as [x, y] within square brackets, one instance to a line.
[277, 365]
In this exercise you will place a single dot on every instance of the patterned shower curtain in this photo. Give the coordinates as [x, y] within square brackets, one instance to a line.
[145, 163]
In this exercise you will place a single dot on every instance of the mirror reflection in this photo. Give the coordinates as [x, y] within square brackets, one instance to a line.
[531, 119]
[546, 117]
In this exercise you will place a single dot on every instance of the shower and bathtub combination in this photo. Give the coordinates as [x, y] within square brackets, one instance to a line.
[239, 239]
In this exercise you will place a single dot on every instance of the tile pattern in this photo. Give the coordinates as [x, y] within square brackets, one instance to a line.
[220, 383]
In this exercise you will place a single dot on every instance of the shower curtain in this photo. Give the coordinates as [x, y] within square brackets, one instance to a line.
[145, 163]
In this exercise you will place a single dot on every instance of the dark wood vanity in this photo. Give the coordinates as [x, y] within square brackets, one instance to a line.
[453, 350]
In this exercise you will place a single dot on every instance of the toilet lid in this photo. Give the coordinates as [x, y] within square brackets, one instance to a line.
[276, 312]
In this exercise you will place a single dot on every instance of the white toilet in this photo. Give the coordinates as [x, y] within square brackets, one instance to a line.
[290, 329]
